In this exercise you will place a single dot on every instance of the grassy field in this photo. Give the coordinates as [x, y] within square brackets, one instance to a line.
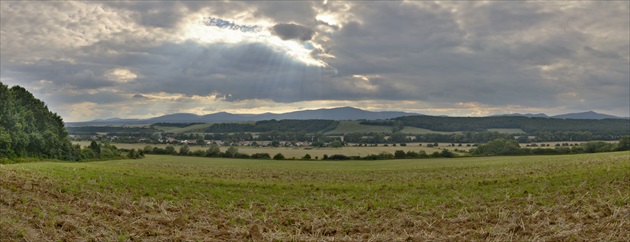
[573, 197]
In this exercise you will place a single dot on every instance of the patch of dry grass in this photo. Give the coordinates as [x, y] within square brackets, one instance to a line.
[579, 197]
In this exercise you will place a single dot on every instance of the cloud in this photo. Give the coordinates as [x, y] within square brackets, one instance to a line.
[293, 31]
[140, 96]
[121, 75]
[425, 56]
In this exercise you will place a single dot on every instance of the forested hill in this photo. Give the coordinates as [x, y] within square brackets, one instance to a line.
[616, 127]
[29, 129]
[307, 126]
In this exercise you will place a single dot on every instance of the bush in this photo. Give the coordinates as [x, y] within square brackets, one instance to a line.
[399, 154]
[213, 151]
[447, 154]
[336, 144]
[199, 153]
[595, 147]
[278, 156]
[338, 157]
[184, 150]
[261, 156]
[499, 147]
[231, 152]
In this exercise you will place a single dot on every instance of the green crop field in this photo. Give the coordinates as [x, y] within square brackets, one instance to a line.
[571, 197]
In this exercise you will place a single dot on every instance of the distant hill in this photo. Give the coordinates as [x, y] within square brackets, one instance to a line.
[343, 113]
[529, 115]
[596, 127]
[585, 115]
[582, 115]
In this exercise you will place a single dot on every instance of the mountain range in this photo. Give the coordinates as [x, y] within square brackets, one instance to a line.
[343, 113]
[582, 115]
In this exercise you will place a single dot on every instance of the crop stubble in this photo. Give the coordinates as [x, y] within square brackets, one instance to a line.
[579, 197]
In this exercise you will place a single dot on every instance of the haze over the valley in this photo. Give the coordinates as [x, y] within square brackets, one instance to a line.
[97, 60]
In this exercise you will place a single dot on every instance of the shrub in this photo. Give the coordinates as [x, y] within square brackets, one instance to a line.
[261, 156]
[278, 156]
[399, 154]
[499, 147]
[594, 147]
[338, 157]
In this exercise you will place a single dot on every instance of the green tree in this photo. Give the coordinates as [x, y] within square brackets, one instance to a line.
[261, 156]
[336, 144]
[399, 154]
[169, 149]
[231, 152]
[446, 153]
[184, 150]
[599, 146]
[499, 147]
[278, 156]
[397, 126]
[213, 151]
[624, 143]
[29, 129]
[318, 143]
[95, 148]
[398, 137]
[353, 137]
[131, 154]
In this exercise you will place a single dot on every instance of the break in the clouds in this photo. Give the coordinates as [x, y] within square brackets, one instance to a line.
[91, 60]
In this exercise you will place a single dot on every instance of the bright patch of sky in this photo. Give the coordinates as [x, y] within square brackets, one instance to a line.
[216, 30]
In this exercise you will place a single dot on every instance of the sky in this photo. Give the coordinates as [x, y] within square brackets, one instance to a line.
[137, 59]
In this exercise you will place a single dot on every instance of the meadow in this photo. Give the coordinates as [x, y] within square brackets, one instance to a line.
[570, 197]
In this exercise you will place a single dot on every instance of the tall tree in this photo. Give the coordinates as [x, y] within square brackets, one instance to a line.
[29, 129]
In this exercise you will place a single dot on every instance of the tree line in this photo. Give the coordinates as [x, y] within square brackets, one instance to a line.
[232, 152]
[286, 125]
[604, 127]
[512, 147]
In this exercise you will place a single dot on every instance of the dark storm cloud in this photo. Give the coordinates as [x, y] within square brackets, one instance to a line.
[293, 31]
